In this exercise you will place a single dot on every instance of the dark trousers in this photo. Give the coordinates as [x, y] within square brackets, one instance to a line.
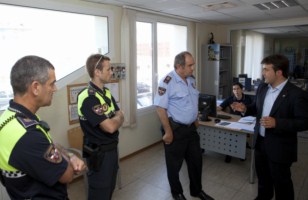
[272, 176]
[101, 183]
[186, 145]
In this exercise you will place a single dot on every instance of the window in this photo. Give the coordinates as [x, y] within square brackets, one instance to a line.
[170, 40]
[65, 39]
[144, 64]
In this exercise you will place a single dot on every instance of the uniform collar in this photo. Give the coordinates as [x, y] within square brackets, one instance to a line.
[20, 109]
[178, 78]
[242, 99]
[97, 88]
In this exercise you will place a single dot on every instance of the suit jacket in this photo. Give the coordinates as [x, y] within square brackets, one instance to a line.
[290, 111]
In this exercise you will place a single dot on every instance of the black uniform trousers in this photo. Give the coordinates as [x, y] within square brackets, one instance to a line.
[272, 176]
[185, 145]
[101, 183]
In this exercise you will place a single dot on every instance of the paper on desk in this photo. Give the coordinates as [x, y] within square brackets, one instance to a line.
[248, 119]
[237, 126]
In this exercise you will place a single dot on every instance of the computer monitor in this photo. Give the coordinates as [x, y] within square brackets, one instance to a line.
[207, 106]
[243, 76]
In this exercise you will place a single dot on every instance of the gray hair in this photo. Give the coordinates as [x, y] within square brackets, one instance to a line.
[28, 69]
[180, 59]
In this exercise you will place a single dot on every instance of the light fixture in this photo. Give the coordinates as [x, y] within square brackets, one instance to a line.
[276, 4]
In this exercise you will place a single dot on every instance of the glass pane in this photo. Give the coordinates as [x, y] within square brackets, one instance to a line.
[65, 39]
[144, 64]
[171, 40]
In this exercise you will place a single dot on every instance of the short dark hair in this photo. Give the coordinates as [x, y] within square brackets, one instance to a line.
[279, 62]
[180, 58]
[95, 61]
[239, 84]
[28, 69]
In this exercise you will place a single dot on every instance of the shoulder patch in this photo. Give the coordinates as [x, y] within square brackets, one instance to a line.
[26, 122]
[100, 109]
[53, 154]
[167, 79]
[161, 91]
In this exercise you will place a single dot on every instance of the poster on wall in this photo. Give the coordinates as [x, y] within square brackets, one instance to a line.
[72, 94]
[119, 71]
[213, 52]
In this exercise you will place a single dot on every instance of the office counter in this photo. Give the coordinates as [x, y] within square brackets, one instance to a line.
[225, 140]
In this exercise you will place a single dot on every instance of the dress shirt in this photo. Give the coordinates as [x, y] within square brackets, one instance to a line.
[270, 98]
[179, 98]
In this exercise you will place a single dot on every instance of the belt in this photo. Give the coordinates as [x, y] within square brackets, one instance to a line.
[177, 124]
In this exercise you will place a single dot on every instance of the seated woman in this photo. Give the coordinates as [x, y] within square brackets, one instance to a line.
[238, 96]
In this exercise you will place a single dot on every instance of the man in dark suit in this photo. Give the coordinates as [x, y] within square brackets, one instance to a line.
[281, 111]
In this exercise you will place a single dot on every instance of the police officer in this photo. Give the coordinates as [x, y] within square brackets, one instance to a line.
[100, 119]
[240, 97]
[32, 166]
[177, 108]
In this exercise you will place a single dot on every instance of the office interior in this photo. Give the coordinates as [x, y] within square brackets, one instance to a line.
[142, 127]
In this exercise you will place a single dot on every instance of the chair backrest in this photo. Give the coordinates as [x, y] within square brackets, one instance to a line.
[75, 137]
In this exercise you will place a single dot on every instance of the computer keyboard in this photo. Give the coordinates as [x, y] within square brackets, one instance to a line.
[223, 116]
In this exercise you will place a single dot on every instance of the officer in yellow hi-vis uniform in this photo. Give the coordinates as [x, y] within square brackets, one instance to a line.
[100, 119]
[32, 166]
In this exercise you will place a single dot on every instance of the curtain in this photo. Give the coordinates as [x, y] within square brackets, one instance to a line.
[128, 56]
[254, 48]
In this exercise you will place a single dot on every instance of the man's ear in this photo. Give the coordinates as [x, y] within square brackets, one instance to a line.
[279, 72]
[35, 88]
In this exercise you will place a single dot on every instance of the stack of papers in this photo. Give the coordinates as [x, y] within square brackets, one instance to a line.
[248, 119]
[245, 124]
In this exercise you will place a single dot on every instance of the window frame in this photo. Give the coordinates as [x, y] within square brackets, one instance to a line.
[73, 9]
[148, 18]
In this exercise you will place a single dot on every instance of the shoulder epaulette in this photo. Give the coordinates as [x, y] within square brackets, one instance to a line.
[26, 122]
[167, 79]
[91, 91]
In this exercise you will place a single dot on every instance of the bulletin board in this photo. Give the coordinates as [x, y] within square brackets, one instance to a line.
[113, 86]
[72, 93]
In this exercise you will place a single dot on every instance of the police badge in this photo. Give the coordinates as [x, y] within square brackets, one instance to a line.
[53, 154]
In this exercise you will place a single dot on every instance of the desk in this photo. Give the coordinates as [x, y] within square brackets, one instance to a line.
[225, 140]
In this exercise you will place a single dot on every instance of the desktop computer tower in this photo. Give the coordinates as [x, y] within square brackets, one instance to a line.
[246, 82]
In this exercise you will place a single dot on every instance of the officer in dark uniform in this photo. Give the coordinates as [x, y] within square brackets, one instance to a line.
[240, 97]
[32, 166]
[100, 119]
[177, 108]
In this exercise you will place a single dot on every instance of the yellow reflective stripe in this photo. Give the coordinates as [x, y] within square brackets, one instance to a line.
[84, 94]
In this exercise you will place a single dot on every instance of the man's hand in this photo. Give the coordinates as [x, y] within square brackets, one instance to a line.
[168, 137]
[268, 122]
[77, 164]
[236, 106]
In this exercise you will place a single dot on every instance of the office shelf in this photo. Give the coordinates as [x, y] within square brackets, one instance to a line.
[216, 70]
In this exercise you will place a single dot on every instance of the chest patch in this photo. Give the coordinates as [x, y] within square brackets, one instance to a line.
[100, 109]
[53, 154]
[161, 91]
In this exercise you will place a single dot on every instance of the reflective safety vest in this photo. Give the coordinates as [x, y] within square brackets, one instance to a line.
[12, 128]
[104, 108]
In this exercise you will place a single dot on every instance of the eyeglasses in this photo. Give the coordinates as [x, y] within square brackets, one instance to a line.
[96, 65]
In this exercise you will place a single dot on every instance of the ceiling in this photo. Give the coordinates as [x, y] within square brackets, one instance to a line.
[225, 12]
